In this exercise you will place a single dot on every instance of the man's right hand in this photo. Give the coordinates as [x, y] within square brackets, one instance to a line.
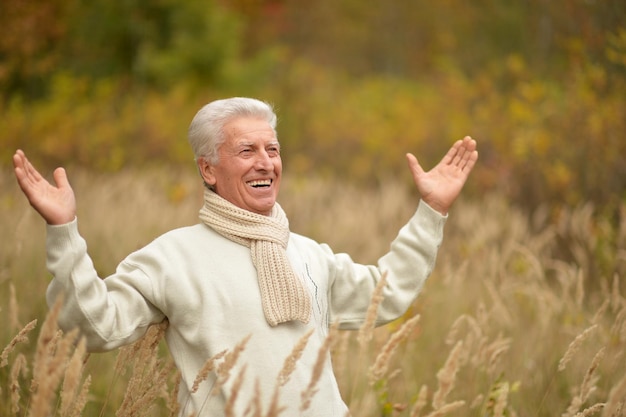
[55, 203]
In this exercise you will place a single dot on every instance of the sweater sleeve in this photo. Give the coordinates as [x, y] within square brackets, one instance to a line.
[407, 265]
[110, 312]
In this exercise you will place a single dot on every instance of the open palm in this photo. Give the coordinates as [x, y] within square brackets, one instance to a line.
[55, 203]
[440, 186]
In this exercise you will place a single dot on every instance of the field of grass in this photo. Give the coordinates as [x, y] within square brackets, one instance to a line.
[523, 315]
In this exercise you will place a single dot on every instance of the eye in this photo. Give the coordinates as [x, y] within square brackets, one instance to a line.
[273, 150]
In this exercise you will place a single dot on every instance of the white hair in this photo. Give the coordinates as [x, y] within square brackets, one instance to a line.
[206, 131]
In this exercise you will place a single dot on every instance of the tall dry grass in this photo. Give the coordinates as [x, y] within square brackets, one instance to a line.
[517, 319]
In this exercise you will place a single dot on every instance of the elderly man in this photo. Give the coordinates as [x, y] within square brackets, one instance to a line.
[240, 273]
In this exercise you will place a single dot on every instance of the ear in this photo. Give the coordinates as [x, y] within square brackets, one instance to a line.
[206, 171]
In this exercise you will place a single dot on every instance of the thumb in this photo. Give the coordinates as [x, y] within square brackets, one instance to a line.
[414, 166]
[60, 178]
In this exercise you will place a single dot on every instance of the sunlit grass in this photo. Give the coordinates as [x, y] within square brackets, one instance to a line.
[502, 311]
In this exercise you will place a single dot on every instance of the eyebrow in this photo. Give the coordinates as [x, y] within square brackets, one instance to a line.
[245, 143]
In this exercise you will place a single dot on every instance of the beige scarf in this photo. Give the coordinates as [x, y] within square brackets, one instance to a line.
[283, 295]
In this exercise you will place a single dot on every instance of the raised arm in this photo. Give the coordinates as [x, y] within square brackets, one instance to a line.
[440, 186]
[55, 203]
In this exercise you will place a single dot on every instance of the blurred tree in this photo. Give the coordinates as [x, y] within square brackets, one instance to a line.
[356, 83]
[155, 44]
[30, 43]
[413, 38]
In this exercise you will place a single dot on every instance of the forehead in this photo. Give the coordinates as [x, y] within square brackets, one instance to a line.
[248, 129]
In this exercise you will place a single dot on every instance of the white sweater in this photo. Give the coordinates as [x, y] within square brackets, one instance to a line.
[206, 286]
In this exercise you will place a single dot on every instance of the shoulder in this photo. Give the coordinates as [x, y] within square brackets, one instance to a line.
[196, 231]
[297, 239]
[305, 244]
[181, 239]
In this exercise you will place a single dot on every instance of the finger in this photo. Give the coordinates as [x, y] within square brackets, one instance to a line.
[21, 161]
[414, 165]
[20, 164]
[471, 155]
[17, 162]
[471, 161]
[449, 157]
[465, 152]
[20, 175]
[459, 158]
[31, 171]
[60, 178]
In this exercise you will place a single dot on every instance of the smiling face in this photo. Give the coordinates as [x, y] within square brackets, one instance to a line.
[249, 169]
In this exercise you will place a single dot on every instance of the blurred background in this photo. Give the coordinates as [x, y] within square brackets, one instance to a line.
[535, 253]
[541, 84]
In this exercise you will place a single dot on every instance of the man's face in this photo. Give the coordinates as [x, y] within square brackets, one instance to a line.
[249, 169]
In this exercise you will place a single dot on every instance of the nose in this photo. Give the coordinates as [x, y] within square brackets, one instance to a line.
[263, 161]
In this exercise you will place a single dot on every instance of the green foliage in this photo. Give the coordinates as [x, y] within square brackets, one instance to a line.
[540, 85]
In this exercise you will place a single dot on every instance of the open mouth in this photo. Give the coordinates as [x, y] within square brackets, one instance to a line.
[260, 183]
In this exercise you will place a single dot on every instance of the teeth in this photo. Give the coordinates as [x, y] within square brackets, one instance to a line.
[260, 183]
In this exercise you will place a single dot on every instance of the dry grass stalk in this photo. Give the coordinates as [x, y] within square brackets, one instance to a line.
[290, 361]
[341, 353]
[255, 408]
[474, 341]
[478, 400]
[19, 367]
[573, 408]
[207, 368]
[158, 388]
[381, 363]
[617, 301]
[229, 408]
[601, 311]
[494, 351]
[311, 390]
[618, 328]
[21, 337]
[453, 333]
[580, 288]
[275, 408]
[618, 412]
[149, 374]
[230, 360]
[447, 376]
[502, 313]
[224, 368]
[172, 403]
[367, 329]
[501, 400]
[420, 402]
[588, 385]
[73, 375]
[48, 375]
[81, 399]
[615, 402]
[590, 410]
[14, 322]
[446, 408]
[45, 342]
[574, 346]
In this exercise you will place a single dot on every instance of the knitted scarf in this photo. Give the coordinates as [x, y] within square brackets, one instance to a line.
[283, 295]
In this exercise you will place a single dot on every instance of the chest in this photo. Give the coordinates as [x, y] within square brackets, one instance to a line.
[221, 282]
